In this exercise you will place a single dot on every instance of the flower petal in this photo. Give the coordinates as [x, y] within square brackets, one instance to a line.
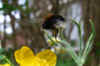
[36, 62]
[49, 56]
[24, 55]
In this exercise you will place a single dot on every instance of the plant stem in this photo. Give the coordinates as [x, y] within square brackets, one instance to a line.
[79, 64]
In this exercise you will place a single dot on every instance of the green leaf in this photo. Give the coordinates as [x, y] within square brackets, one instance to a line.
[89, 41]
[80, 34]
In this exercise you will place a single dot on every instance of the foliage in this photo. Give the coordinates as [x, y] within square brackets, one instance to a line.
[79, 58]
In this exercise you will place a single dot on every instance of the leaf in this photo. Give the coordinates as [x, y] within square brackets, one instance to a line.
[89, 41]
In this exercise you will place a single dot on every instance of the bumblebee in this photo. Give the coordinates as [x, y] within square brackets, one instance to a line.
[53, 22]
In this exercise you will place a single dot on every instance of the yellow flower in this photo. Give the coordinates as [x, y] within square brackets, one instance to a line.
[49, 56]
[4, 64]
[25, 57]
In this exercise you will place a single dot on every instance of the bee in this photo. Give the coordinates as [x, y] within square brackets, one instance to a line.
[53, 22]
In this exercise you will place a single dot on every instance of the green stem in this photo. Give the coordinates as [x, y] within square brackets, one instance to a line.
[80, 35]
[69, 49]
[61, 33]
[79, 64]
[80, 40]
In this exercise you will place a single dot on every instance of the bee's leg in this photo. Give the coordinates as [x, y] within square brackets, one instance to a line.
[61, 34]
[55, 33]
